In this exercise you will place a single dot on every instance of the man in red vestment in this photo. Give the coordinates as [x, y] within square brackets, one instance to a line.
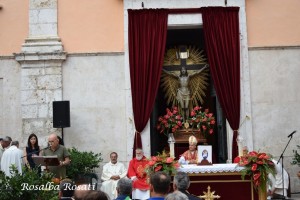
[136, 172]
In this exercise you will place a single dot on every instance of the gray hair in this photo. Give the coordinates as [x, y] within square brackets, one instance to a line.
[124, 186]
[7, 139]
[16, 143]
[177, 195]
[182, 181]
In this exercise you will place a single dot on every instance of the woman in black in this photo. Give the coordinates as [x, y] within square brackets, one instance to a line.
[32, 149]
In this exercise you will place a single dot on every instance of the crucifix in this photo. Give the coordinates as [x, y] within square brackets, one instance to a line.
[209, 195]
[184, 94]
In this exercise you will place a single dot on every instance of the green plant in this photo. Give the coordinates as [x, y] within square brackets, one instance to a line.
[82, 162]
[296, 158]
[28, 185]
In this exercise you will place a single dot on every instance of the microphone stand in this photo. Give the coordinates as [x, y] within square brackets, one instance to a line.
[281, 157]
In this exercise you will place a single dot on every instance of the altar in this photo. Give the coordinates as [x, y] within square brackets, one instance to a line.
[224, 179]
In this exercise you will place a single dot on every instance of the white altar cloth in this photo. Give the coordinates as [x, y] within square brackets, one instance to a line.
[215, 168]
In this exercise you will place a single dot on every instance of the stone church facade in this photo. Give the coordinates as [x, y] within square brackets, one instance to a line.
[77, 51]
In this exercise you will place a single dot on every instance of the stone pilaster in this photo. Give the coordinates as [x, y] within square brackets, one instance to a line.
[41, 60]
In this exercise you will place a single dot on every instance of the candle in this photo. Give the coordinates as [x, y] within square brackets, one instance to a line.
[172, 154]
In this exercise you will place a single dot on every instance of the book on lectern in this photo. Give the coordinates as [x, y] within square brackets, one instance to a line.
[46, 160]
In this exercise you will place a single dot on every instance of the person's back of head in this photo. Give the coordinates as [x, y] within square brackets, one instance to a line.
[177, 195]
[181, 181]
[66, 188]
[82, 191]
[96, 195]
[124, 186]
[15, 143]
[160, 181]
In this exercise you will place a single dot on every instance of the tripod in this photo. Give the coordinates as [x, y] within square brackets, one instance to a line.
[281, 158]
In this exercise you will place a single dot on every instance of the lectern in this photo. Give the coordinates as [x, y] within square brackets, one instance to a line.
[46, 161]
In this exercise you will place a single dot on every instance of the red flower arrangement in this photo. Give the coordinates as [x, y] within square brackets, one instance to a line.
[258, 166]
[204, 121]
[170, 122]
[162, 162]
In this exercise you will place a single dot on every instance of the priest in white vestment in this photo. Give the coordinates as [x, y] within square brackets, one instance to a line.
[111, 174]
[12, 156]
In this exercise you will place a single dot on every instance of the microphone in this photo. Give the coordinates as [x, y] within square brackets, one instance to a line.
[291, 135]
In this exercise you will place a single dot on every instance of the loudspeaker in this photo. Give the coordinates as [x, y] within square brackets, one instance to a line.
[61, 114]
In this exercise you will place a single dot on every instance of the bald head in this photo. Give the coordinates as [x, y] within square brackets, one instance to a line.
[53, 141]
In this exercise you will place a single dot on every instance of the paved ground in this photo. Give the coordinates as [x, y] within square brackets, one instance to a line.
[295, 196]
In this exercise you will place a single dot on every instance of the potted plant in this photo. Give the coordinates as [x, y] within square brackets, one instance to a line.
[83, 163]
[296, 159]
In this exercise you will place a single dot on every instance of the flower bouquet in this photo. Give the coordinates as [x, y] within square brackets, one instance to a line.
[203, 121]
[170, 122]
[162, 162]
[258, 166]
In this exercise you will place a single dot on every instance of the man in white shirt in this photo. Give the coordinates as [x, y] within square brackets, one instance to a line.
[111, 174]
[12, 156]
[276, 183]
[5, 142]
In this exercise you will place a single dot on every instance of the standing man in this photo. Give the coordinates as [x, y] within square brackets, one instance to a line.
[159, 185]
[12, 156]
[112, 172]
[181, 183]
[62, 154]
[136, 172]
[5, 142]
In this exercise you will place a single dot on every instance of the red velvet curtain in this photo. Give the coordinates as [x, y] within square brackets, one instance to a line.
[222, 41]
[147, 32]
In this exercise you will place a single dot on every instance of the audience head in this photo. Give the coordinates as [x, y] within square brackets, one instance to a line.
[96, 195]
[139, 154]
[53, 141]
[181, 181]
[124, 186]
[113, 157]
[15, 143]
[176, 196]
[160, 183]
[66, 188]
[6, 141]
[33, 141]
[81, 191]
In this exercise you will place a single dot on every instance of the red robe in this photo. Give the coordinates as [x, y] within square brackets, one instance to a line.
[188, 156]
[137, 168]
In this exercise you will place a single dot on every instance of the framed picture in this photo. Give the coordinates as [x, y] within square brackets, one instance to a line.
[204, 153]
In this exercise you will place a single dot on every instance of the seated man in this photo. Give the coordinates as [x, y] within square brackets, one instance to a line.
[190, 156]
[240, 159]
[136, 172]
[111, 174]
